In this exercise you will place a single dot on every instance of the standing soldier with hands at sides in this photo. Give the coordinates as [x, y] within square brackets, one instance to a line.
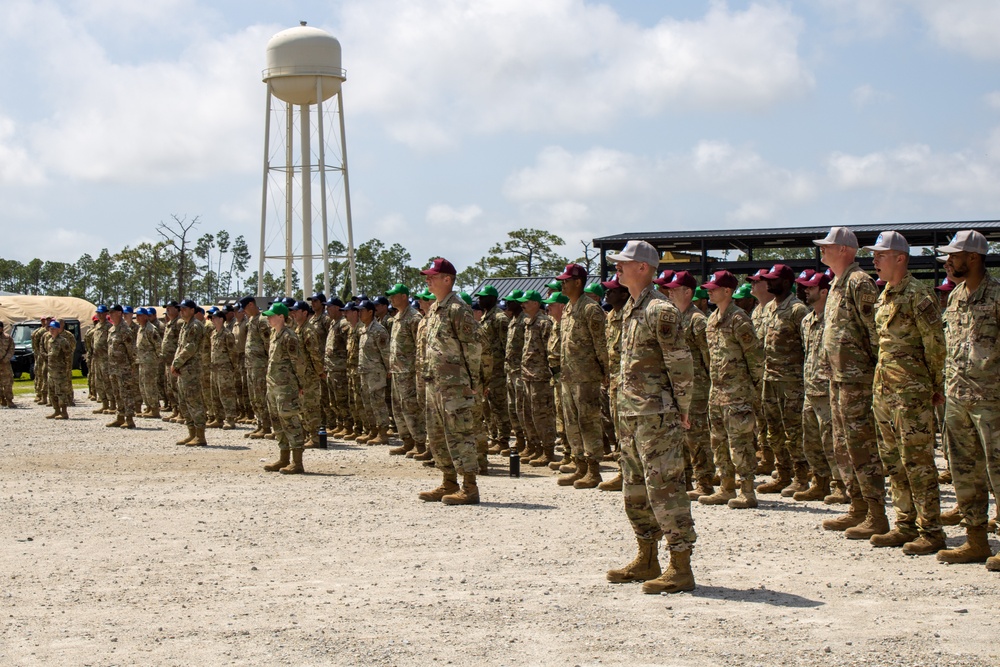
[61, 349]
[147, 344]
[6, 374]
[654, 397]
[187, 368]
[285, 371]
[121, 368]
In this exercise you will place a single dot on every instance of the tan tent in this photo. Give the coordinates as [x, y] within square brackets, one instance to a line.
[15, 309]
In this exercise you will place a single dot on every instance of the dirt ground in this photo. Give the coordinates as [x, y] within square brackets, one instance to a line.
[120, 548]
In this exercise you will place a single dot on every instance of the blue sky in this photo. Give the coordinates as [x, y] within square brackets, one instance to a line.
[470, 118]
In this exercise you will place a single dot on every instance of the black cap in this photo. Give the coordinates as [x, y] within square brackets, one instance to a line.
[366, 305]
[219, 313]
[381, 301]
[229, 308]
[246, 301]
[188, 303]
[350, 306]
[199, 309]
[117, 308]
[300, 305]
[360, 297]
[335, 302]
[317, 296]
[288, 301]
[171, 304]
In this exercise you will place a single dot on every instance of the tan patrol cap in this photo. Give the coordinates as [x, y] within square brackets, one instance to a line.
[967, 240]
[890, 241]
[839, 236]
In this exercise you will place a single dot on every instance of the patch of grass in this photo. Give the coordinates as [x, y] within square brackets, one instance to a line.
[24, 385]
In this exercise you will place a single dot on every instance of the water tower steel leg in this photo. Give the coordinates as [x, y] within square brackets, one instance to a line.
[263, 189]
[347, 193]
[322, 185]
[307, 219]
[289, 181]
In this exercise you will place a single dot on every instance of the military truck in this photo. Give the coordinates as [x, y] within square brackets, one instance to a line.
[24, 357]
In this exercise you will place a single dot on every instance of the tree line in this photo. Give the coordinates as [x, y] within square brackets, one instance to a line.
[210, 267]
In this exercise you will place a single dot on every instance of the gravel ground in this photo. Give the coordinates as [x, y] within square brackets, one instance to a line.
[121, 548]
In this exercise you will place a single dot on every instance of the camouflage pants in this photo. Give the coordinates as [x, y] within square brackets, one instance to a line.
[732, 429]
[974, 441]
[6, 383]
[581, 403]
[817, 436]
[224, 393]
[906, 424]
[149, 383]
[206, 387]
[497, 398]
[700, 461]
[607, 423]
[406, 408]
[451, 425]
[337, 382]
[310, 403]
[257, 384]
[124, 387]
[537, 413]
[854, 440]
[557, 404]
[782, 404]
[372, 387]
[284, 406]
[359, 416]
[515, 396]
[41, 376]
[99, 371]
[165, 390]
[652, 459]
[191, 395]
[58, 388]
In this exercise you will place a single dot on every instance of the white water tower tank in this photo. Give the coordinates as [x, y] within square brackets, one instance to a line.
[295, 57]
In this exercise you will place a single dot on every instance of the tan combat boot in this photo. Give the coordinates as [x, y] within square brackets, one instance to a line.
[283, 459]
[855, 515]
[945, 477]
[407, 446]
[975, 550]
[566, 460]
[295, 467]
[468, 495]
[449, 485]
[816, 491]
[896, 537]
[426, 455]
[381, 437]
[129, 423]
[173, 415]
[101, 410]
[418, 448]
[261, 434]
[613, 484]
[838, 494]
[783, 479]
[993, 563]
[547, 457]
[952, 517]
[644, 566]
[119, 420]
[799, 484]
[747, 499]
[356, 432]
[726, 492]
[250, 434]
[703, 488]
[875, 523]
[215, 423]
[677, 578]
[579, 471]
[925, 545]
[190, 436]
[495, 447]
[154, 412]
[199, 438]
[229, 425]
[55, 409]
[529, 452]
[592, 478]
[62, 412]
[765, 464]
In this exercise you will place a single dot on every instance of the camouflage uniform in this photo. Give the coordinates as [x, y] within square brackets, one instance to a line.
[419, 365]
[121, 365]
[285, 367]
[553, 351]
[356, 405]
[480, 407]
[207, 394]
[168, 348]
[762, 437]
[783, 390]
[817, 429]
[910, 370]
[512, 366]
[223, 375]
[700, 459]
[188, 362]
[320, 324]
[654, 391]
[88, 355]
[451, 373]
[311, 347]
[972, 389]
[258, 340]
[147, 345]
[99, 367]
[737, 366]
[495, 324]
[537, 411]
[583, 369]
[39, 340]
[6, 373]
[851, 345]
[60, 364]
[232, 327]
[335, 363]
[613, 335]
[402, 365]
[373, 369]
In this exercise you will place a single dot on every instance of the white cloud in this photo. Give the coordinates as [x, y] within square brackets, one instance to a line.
[16, 167]
[597, 173]
[866, 95]
[442, 215]
[485, 66]
[867, 18]
[966, 26]
[993, 100]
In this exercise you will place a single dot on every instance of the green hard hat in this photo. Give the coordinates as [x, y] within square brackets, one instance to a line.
[555, 286]
[556, 297]
[398, 288]
[530, 295]
[515, 295]
[464, 296]
[488, 290]
[596, 289]
[743, 291]
[700, 293]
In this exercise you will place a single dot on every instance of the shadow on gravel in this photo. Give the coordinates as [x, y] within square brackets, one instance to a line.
[756, 595]
[519, 506]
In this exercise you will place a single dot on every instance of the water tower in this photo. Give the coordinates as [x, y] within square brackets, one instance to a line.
[303, 70]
